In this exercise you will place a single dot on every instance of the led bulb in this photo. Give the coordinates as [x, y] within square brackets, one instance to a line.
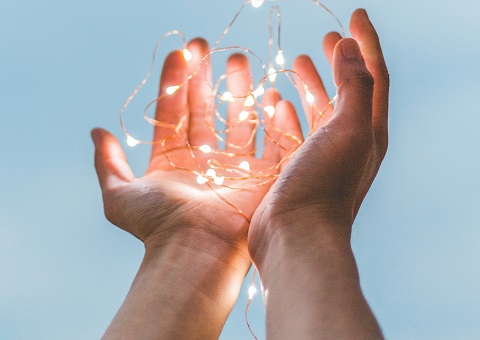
[270, 110]
[132, 141]
[211, 173]
[219, 180]
[245, 166]
[257, 3]
[259, 91]
[172, 89]
[272, 74]
[243, 116]
[280, 59]
[205, 148]
[187, 54]
[309, 97]
[252, 290]
[227, 96]
[201, 179]
[249, 102]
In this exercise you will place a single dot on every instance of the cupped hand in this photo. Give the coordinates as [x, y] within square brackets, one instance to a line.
[167, 204]
[324, 184]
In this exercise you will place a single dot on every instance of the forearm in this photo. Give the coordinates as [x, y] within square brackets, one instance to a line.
[180, 293]
[312, 288]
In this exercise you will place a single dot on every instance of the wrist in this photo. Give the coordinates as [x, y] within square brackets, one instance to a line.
[200, 261]
[296, 235]
[184, 289]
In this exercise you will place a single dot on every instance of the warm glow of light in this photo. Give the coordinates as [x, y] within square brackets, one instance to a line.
[257, 3]
[132, 141]
[219, 180]
[270, 110]
[243, 115]
[211, 173]
[187, 54]
[227, 96]
[245, 166]
[249, 102]
[309, 97]
[205, 148]
[201, 179]
[272, 74]
[252, 290]
[172, 89]
[259, 91]
[280, 59]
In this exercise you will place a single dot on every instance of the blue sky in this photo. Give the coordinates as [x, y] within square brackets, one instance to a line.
[66, 67]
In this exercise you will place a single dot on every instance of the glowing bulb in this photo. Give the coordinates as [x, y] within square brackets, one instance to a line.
[249, 102]
[205, 148]
[211, 173]
[280, 59]
[132, 141]
[272, 74]
[257, 3]
[187, 54]
[243, 115]
[201, 179]
[309, 97]
[219, 180]
[252, 290]
[259, 91]
[172, 89]
[270, 110]
[227, 96]
[245, 166]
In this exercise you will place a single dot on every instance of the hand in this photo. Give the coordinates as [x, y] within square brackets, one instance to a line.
[329, 176]
[196, 244]
[299, 237]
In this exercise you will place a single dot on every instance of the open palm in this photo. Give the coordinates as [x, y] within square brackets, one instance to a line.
[168, 201]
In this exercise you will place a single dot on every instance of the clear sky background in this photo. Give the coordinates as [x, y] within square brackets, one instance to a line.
[67, 66]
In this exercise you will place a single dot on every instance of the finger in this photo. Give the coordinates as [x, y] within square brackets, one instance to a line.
[239, 83]
[363, 31]
[329, 42]
[319, 111]
[172, 109]
[200, 98]
[110, 160]
[286, 119]
[270, 99]
[353, 111]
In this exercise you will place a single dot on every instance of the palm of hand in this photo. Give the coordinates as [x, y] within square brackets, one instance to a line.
[168, 198]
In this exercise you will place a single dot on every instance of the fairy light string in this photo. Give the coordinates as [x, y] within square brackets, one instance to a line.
[213, 169]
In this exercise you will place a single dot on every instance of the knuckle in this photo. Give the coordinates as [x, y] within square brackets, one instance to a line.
[364, 79]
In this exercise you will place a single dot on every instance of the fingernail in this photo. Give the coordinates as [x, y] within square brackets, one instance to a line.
[351, 50]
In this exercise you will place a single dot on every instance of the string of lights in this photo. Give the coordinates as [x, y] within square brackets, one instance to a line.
[221, 167]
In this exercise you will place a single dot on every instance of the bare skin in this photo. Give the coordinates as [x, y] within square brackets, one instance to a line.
[196, 247]
[196, 252]
[299, 238]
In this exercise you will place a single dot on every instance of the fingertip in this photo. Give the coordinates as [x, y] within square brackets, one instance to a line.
[329, 41]
[237, 61]
[176, 59]
[301, 61]
[360, 25]
[198, 47]
[271, 96]
[94, 134]
[198, 43]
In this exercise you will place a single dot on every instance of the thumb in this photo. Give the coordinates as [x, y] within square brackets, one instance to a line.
[110, 160]
[354, 86]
